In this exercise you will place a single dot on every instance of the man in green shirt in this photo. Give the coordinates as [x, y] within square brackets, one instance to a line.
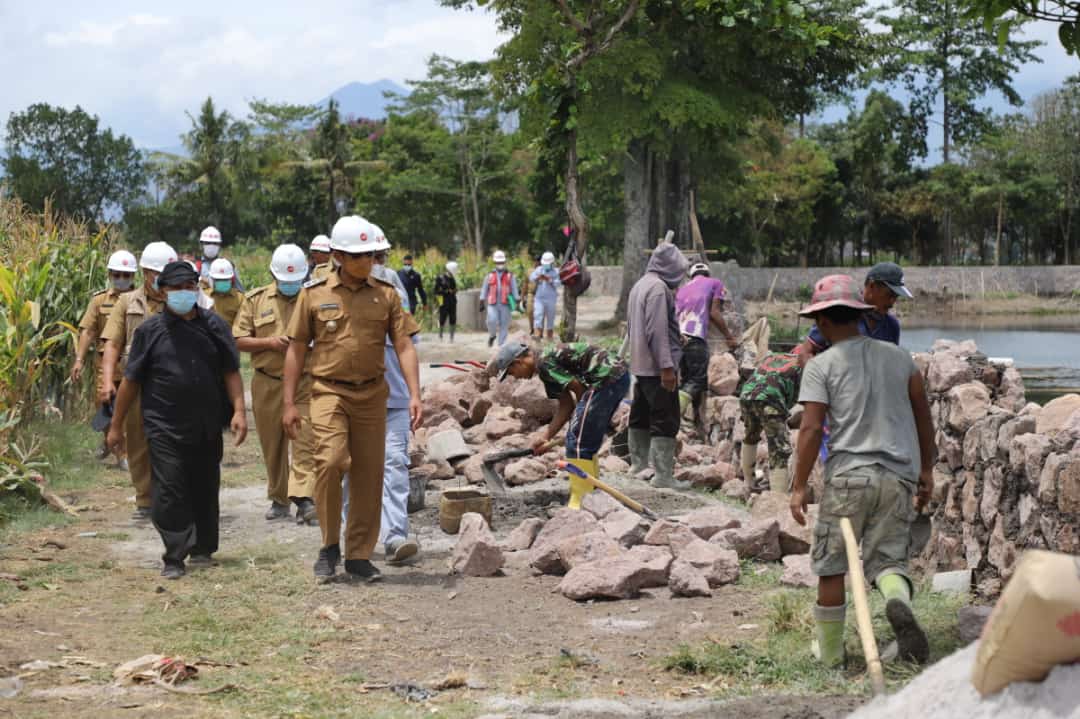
[589, 383]
[766, 398]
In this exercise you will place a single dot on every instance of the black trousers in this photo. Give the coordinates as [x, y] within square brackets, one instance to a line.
[694, 369]
[184, 483]
[654, 408]
[448, 311]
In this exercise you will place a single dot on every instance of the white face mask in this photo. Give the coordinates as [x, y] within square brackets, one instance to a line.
[500, 266]
[210, 251]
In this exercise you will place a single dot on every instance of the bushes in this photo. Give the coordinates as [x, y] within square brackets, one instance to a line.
[49, 268]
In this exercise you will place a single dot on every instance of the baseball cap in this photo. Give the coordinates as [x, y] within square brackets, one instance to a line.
[506, 356]
[835, 291]
[891, 275]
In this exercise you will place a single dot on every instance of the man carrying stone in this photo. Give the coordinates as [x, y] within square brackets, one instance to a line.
[184, 368]
[765, 400]
[879, 471]
[655, 352]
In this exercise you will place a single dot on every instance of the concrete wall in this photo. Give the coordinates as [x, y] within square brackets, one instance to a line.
[753, 282]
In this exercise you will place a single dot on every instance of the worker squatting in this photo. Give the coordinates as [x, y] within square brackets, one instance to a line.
[336, 394]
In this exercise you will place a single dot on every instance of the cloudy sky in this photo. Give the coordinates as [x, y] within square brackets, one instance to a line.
[140, 65]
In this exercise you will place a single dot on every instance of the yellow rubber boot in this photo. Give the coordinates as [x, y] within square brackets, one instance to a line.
[578, 486]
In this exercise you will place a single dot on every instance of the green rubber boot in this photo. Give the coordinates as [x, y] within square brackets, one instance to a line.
[828, 647]
[640, 442]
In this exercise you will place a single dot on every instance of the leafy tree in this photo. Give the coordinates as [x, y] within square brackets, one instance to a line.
[64, 157]
[1066, 13]
[1054, 136]
[936, 51]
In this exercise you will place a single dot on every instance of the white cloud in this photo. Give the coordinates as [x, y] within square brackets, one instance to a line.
[103, 34]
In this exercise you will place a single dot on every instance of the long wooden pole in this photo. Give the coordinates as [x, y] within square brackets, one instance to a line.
[862, 608]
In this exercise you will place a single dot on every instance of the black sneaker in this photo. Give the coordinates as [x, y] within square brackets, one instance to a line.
[326, 564]
[362, 569]
[910, 638]
[491, 340]
[200, 560]
[173, 570]
[277, 511]
[305, 512]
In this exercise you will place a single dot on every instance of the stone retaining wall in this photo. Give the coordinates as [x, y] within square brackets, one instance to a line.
[753, 282]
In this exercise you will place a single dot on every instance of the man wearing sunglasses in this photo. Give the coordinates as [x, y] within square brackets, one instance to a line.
[345, 318]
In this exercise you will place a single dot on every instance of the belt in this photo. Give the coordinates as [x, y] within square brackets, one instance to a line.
[343, 383]
[271, 376]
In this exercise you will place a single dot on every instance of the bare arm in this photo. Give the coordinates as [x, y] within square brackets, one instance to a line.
[410, 367]
[810, 433]
[109, 360]
[124, 397]
[262, 344]
[86, 338]
[924, 426]
[716, 316]
[234, 387]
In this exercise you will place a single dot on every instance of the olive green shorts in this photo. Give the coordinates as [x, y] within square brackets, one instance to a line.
[881, 508]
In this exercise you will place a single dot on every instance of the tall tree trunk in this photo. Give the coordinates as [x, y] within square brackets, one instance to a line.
[637, 239]
[474, 199]
[580, 224]
[681, 220]
[698, 242]
[659, 191]
[1000, 222]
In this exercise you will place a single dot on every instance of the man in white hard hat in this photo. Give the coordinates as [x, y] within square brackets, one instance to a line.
[260, 329]
[546, 279]
[121, 267]
[345, 318]
[318, 253]
[445, 292]
[500, 295]
[223, 292]
[699, 305]
[210, 245]
[130, 311]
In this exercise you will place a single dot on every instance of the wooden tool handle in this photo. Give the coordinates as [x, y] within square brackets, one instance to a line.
[862, 608]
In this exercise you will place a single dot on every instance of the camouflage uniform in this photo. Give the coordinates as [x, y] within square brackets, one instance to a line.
[766, 399]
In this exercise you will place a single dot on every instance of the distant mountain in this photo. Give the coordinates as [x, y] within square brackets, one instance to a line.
[363, 100]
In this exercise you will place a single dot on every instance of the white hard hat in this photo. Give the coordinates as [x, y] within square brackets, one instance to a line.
[547, 259]
[210, 236]
[122, 261]
[451, 267]
[699, 268]
[499, 256]
[354, 234]
[321, 243]
[380, 236]
[156, 255]
[221, 269]
[288, 264]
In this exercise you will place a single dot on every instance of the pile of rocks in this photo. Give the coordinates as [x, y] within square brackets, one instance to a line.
[607, 551]
[1008, 472]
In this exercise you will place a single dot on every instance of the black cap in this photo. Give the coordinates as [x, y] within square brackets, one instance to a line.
[891, 275]
[407, 257]
[176, 274]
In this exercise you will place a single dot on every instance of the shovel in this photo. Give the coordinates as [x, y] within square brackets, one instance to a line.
[920, 534]
[494, 482]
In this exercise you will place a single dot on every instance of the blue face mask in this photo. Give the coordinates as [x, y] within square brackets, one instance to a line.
[181, 301]
[222, 286]
[123, 284]
[289, 289]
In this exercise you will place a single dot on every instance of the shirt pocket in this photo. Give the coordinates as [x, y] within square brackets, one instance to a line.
[266, 324]
[331, 323]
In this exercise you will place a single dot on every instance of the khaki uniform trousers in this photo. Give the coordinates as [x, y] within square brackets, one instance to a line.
[283, 481]
[138, 452]
[350, 436]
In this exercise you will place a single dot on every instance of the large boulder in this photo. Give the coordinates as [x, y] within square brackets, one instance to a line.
[720, 566]
[1056, 413]
[443, 401]
[476, 554]
[669, 533]
[1068, 482]
[707, 521]
[600, 504]
[1027, 454]
[707, 475]
[479, 409]
[618, 578]
[1011, 390]
[588, 547]
[968, 403]
[565, 523]
[656, 560]
[473, 468]
[797, 572]
[794, 537]
[723, 374]
[626, 527]
[530, 397]
[686, 580]
[758, 540]
[525, 471]
[946, 371]
[500, 422]
[524, 535]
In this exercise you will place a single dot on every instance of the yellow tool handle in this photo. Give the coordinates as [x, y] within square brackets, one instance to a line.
[605, 487]
[862, 608]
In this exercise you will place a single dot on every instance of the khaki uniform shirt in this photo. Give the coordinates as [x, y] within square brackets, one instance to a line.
[227, 305]
[97, 315]
[130, 311]
[347, 328]
[265, 312]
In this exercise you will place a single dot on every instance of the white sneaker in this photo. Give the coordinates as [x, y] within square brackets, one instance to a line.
[398, 550]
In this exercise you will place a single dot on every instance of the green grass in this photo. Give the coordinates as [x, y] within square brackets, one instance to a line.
[782, 660]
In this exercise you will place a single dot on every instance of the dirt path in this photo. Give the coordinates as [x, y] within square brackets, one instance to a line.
[292, 648]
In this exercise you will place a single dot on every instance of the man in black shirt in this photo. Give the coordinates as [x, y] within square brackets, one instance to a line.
[414, 284]
[185, 362]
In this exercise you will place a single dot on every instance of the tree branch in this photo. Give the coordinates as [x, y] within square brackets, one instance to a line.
[578, 26]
